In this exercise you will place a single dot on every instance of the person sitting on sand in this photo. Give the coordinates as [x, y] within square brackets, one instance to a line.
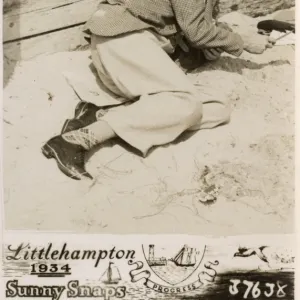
[131, 44]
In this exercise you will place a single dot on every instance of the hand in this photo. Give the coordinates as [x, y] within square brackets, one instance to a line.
[212, 53]
[257, 44]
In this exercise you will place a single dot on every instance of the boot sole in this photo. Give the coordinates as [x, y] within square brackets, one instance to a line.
[49, 153]
[64, 128]
[78, 111]
[66, 124]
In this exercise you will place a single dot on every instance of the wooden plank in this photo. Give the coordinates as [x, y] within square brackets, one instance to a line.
[18, 7]
[64, 40]
[37, 22]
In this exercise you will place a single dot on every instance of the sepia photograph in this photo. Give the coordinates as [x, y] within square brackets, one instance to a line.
[149, 116]
[149, 149]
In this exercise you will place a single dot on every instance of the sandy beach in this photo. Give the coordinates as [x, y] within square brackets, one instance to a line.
[251, 159]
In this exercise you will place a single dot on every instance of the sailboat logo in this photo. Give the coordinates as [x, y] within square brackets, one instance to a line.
[174, 269]
[111, 275]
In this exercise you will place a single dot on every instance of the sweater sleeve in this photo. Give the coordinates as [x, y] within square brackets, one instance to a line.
[200, 31]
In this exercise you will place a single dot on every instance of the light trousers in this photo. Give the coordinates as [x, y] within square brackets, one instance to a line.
[137, 66]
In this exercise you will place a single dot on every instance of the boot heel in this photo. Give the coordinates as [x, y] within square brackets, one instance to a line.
[47, 151]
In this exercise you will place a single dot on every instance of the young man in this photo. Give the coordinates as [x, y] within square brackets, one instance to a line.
[131, 41]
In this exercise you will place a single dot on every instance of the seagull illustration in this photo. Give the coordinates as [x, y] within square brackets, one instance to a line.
[246, 252]
[274, 257]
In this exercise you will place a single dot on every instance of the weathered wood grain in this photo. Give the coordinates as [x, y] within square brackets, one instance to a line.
[18, 7]
[46, 18]
[64, 40]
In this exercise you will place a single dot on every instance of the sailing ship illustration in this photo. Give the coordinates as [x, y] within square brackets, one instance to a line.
[111, 275]
[186, 257]
[155, 261]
